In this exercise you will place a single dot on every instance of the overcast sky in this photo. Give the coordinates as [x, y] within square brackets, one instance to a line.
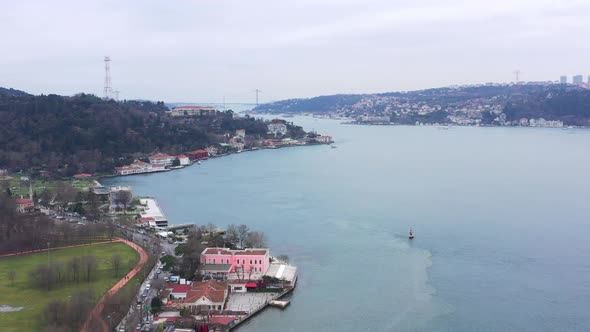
[204, 50]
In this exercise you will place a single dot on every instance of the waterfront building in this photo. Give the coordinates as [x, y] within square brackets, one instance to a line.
[277, 127]
[563, 79]
[578, 79]
[324, 139]
[192, 111]
[162, 158]
[152, 214]
[198, 154]
[222, 260]
[205, 296]
[184, 160]
[139, 167]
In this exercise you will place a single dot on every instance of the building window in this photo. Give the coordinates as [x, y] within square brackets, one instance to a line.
[213, 260]
[227, 261]
[250, 261]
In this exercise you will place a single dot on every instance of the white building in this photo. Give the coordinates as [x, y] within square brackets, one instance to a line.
[139, 167]
[277, 127]
[184, 160]
[162, 158]
[241, 133]
[192, 111]
[152, 214]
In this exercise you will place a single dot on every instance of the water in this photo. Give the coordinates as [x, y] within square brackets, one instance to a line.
[500, 215]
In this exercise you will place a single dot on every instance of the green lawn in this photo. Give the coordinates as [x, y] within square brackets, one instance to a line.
[34, 300]
[41, 184]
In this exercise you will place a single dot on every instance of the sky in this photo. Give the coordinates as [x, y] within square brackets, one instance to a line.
[208, 51]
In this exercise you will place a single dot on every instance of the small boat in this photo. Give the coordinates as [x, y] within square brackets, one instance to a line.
[198, 162]
[333, 146]
[279, 303]
[411, 237]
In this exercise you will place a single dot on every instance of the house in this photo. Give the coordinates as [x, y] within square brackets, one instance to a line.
[324, 139]
[198, 154]
[277, 127]
[24, 205]
[206, 295]
[241, 133]
[212, 150]
[184, 160]
[223, 261]
[162, 158]
[178, 292]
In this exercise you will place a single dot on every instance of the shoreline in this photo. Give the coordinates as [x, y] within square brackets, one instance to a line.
[98, 178]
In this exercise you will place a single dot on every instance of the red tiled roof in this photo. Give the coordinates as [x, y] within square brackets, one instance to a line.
[181, 156]
[212, 290]
[252, 252]
[82, 175]
[147, 218]
[176, 288]
[160, 155]
[222, 320]
[278, 121]
[217, 251]
[23, 201]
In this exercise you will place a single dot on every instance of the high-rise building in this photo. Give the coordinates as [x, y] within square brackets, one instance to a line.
[578, 79]
[563, 79]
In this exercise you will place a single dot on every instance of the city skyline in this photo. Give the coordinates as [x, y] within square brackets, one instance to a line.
[212, 51]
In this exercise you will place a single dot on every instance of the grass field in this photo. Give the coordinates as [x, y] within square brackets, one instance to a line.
[34, 300]
[40, 185]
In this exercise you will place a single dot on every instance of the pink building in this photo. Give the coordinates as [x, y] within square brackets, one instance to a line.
[222, 259]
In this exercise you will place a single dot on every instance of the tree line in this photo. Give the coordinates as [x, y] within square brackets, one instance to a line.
[85, 134]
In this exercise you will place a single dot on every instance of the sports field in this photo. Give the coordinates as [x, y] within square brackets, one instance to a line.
[33, 300]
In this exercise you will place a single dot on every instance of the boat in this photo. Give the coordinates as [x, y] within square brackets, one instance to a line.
[333, 146]
[411, 237]
[198, 162]
[279, 303]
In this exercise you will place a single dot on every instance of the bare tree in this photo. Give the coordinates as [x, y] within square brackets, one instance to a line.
[210, 228]
[65, 193]
[90, 264]
[74, 265]
[283, 258]
[123, 197]
[231, 234]
[58, 269]
[256, 240]
[11, 276]
[116, 261]
[243, 231]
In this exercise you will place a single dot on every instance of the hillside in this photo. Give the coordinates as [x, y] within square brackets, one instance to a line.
[12, 92]
[492, 104]
[83, 133]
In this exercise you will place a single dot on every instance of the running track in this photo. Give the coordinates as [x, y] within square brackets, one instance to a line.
[95, 313]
